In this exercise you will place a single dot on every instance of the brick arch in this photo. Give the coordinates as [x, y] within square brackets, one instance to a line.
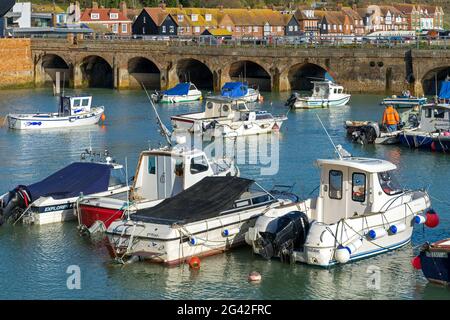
[191, 68]
[96, 71]
[254, 71]
[298, 75]
[143, 70]
[428, 79]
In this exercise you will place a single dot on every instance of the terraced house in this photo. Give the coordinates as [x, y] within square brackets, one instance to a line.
[113, 20]
[252, 23]
[420, 16]
[387, 18]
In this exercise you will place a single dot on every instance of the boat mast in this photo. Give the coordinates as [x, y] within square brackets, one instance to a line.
[163, 129]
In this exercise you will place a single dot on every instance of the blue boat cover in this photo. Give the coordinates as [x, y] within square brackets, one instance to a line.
[445, 90]
[234, 89]
[179, 90]
[85, 177]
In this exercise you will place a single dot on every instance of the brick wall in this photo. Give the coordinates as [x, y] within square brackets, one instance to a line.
[16, 66]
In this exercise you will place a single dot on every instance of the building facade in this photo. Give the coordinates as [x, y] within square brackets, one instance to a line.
[114, 20]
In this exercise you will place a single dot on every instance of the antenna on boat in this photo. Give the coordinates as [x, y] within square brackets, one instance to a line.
[128, 189]
[329, 137]
[164, 131]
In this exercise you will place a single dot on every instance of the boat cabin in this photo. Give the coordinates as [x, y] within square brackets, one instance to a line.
[351, 187]
[74, 105]
[224, 107]
[435, 117]
[326, 89]
[171, 171]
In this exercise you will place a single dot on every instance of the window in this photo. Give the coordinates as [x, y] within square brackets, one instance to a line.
[291, 28]
[115, 28]
[199, 164]
[238, 29]
[171, 29]
[95, 16]
[439, 113]
[335, 191]
[229, 28]
[249, 29]
[117, 177]
[295, 28]
[194, 17]
[77, 103]
[124, 28]
[389, 183]
[197, 29]
[163, 29]
[114, 16]
[85, 102]
[255, 29]
[279, 29]
[144, 20]
[152, 165]
[359, 187]
[180, 18]
[208, 17]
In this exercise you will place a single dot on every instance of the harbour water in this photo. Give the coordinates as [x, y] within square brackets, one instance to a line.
[34, 259]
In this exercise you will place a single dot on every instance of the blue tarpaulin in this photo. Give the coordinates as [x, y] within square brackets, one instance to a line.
[234, 89]
[445, 90]
[179, 90]
[85, 177]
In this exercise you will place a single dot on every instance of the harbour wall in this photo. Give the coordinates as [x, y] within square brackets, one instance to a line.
[16, 65]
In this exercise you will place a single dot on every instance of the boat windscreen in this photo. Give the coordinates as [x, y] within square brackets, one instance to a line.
[205, 199]
[76, 178]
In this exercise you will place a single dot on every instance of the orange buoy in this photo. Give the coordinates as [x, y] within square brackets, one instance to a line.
[194, 263]
[103, 117]
[254, 276]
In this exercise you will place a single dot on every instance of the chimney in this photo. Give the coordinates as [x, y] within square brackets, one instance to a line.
[354, 6]
[339, 6]
[94, 5]
[123, 8]
[180, 6]
[162, 5]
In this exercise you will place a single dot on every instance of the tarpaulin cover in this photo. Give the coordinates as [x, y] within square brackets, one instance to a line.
[5, 6]
[234, 89]
[204, 200]
[445, 90]
[179, 90]
[85, 177]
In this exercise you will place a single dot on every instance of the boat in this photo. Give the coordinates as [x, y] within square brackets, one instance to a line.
[182, 92]
[52, 199]
[371, 132]
[72, 112]
[361, 211]
[226, 117]
[325, 94]
[434, 260]
[160, 174]
[240, 90]
[406, 100]
[208, 218]
[433, 132]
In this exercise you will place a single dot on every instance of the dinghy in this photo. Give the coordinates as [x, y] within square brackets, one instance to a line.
[361, 211]
[161, 173]
[404, 101]
[434, 260]
[240, 90]
[72, 112]
[208, 218]
[182, 92]
[226, 117]
[325, 94]
[52, 199]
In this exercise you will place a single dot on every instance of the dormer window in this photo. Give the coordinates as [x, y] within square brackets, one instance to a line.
[194, 17]
[208, 17]
[95, 16]
[114, 16]
[180, 18]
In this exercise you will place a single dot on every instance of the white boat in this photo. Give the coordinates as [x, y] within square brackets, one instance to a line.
[72, 112]
[161, 173]
[406, 100]
[226, 117]
[240, 90]
[182, 92]
[208, 218]
[325, 94]
[52, 199]
[361, 211]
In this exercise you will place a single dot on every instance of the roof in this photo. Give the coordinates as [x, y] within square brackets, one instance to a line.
[353, 14]
[334, 17]
[46, 8]
[204, 200]
[405, 8]
[218, 32]
[104, 14]
[364, 164]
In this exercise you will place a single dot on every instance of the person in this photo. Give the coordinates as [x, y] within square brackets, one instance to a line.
[391, 118]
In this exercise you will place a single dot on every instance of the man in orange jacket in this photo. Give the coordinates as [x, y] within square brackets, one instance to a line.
[391, 118]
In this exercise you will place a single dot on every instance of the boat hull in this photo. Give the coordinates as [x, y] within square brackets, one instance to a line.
[435, 263]
[405, 102]
[312, 103]
[52, 120]
[179, 99]
[425, 141]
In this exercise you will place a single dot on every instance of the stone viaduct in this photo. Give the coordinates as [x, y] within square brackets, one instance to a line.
[124, 64]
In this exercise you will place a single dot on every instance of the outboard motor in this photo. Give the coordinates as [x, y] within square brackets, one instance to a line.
[156, 96]
[290, 102]
[210, 125]
[283, 235]
[367, 134]
[18, 200]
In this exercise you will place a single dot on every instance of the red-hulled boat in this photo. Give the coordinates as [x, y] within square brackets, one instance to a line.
[90, 211]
